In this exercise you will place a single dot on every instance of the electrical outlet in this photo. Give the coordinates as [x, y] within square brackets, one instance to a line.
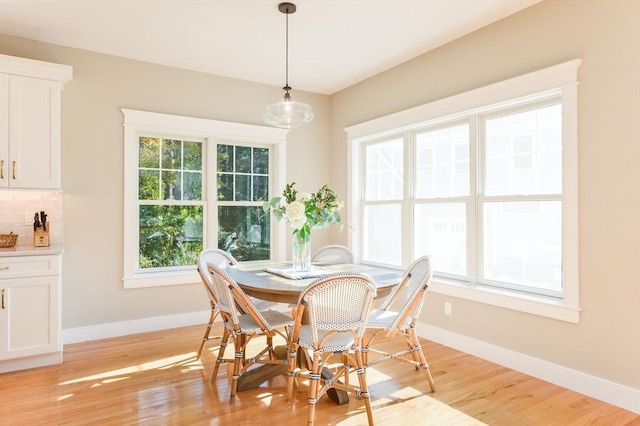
[447, 309]
[28, 218]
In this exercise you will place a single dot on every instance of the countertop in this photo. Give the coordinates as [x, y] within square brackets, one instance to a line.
[30, 251]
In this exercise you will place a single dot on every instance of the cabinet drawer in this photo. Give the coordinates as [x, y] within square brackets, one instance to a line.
[29, 266]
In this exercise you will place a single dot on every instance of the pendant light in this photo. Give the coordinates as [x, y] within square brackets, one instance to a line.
[287, 113]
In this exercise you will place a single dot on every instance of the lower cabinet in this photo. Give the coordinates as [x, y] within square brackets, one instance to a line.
[30, 323]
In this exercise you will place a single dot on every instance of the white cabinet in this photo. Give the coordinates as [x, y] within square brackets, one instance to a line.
[30, 122]
[30, 315]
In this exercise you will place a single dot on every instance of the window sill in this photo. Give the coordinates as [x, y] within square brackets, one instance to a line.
[531, 304]
[160, 279]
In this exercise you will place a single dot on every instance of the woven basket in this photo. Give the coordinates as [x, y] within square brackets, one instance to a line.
[8, 240]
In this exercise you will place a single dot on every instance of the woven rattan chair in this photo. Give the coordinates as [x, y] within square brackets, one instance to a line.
[243, 322]
[333, 255]
[383, 321]
[221, 259]
[337, 308]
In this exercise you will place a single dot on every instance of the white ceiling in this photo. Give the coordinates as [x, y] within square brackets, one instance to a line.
[332, 43]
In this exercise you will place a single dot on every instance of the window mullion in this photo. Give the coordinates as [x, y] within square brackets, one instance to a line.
[474, 226]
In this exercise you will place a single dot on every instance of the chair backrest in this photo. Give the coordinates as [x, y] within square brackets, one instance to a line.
[338, 302]
[231, 300]
[219, 258]
[415, 282]
[333, 254]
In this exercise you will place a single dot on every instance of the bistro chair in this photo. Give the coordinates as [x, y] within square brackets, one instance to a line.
[333, 255]
[337, 307]
[243, 322]
[403, 323]
[221, 259]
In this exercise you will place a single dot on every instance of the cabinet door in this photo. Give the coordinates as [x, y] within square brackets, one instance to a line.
[4, 130]
[34, 133]
[30, 317]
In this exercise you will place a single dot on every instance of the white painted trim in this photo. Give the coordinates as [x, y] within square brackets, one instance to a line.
[586, 384]
[31, 362]
[136, 122]
[36, 69]
[536, 82]
[125, 328]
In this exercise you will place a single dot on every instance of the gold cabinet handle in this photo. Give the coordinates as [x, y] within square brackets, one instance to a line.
[14, 169]
[4, 290]
[1, 169]
[4, 268]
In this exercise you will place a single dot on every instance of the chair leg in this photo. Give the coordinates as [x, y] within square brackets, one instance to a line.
[314, 384]
[364, 390]
[205, 338]
[220, 357]
[292, 355]
[421, 358]
[240, 340]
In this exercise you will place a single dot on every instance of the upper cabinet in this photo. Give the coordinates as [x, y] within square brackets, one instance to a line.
[30, 93]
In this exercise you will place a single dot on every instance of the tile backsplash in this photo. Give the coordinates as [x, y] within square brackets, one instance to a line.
[14, 205]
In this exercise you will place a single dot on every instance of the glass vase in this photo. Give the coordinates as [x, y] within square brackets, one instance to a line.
[301, 253]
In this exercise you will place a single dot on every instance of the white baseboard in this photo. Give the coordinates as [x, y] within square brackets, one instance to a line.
[123, 328]
[595, 387]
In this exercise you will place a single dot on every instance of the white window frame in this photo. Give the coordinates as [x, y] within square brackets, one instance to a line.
[560, 80]
[137, 123]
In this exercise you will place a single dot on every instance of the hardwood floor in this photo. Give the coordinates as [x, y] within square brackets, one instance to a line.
[154, 379]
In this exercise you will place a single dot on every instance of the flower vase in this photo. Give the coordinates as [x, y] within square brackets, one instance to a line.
[301, 256]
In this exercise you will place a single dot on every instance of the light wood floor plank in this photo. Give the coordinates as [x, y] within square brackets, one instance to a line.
[154, 379]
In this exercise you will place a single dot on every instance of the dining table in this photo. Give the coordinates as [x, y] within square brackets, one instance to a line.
[254, 278]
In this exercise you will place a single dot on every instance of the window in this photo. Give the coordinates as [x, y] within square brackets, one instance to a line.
[484, 182]
[194, 183]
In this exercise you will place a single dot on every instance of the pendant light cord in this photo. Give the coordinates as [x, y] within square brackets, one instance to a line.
[286, 62]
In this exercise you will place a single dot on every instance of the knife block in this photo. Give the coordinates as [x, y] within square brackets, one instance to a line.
[41, 237]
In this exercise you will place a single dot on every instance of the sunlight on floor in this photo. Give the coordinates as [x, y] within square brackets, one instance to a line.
[187, 359]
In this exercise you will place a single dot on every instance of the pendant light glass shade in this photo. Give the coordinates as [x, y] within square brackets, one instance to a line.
[287, 113]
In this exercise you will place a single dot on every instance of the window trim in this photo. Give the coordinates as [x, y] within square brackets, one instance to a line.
[135, 122]
[561, 79]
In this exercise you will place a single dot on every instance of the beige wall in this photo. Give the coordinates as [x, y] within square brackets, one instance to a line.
[606, 36]
[92, 167]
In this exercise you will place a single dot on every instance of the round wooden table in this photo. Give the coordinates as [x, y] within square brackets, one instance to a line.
[255, 281]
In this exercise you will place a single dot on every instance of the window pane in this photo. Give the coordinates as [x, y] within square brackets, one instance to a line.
[149, 152]
[524, 153]
[225, 187]
[243, 188]
[382, 234]
[522, 243]
[192, 155]
[170, 235]
[192, 182]
[442, 158]
[441, 231]
[225, 158]
[171, 154]
[260, 188]
[243, 159]
[260, 160]
[149, 185]
[171, 186]
[244, 232]
[384, 170]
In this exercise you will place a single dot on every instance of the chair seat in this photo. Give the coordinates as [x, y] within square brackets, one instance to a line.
[384, 319]
[248, 324]
[337, 343]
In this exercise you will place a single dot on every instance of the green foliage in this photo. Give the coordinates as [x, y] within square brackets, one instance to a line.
[321, 209]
